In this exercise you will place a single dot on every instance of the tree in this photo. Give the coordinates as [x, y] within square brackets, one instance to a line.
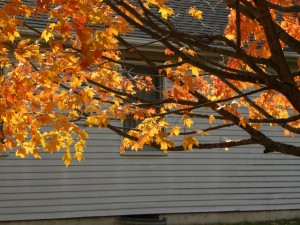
[76, 70]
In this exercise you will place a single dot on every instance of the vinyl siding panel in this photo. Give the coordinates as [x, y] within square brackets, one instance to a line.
[108, 184]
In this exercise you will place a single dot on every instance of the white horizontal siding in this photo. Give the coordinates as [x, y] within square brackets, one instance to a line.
[107, 184]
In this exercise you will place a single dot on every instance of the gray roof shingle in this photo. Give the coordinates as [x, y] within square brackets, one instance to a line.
[215, 17]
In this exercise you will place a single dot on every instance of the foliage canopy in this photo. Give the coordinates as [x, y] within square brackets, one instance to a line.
[79, 68]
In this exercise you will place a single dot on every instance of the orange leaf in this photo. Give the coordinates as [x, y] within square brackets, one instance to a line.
[9, 143]
[169, 52]
[211, 119]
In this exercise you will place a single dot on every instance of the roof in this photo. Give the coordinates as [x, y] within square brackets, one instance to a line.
[215, 17]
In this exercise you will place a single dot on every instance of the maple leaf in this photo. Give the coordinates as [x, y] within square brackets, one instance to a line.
[165, 12]
[67, 159]
[36, 154]
[243, 121]
[188, 122]
[73, 114]
[47, 34]
[175, 131]
[197, 14]
[91, 121]
[211, 118]
[78, 156]
[168, 52]
[189, 141]
[21, 153]
[79, 146]
[230, 37]
[9, 143]
[122, 149]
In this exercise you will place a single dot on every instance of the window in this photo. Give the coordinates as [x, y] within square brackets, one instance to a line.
[155, 94]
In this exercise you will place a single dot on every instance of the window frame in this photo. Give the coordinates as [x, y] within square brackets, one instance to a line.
[147, 150]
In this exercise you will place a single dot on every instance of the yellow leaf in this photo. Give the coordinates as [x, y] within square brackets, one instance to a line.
[175, 131]
[153, 131]
[243, 121]
[163, 146]
[230, 37]
[83, 135]
[67, 159]
[47, 34]
[78, 156]
[211, 119]
[79, 146]
[197, 14]
[195, 71]
[75, 82]
[103, 120]
[188, 122]
[189, 141]
[165, 12]
[146, 5]
[191, 52]
[73, 114]
[118, 101]
[91, 121]
[13, 36]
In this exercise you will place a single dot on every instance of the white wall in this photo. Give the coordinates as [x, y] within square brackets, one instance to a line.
[107, 184]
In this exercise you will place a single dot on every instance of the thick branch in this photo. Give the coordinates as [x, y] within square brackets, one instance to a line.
[217, 145]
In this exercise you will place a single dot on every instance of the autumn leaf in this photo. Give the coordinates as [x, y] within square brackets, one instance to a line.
[36, 154]
[168, 52]
[73, 114]
[211, 118]
[165, 12]
[21, 153]
[175, 131]
[197, 14]
[189, 142]
[9, 143]
[243, 121]
[230, 37]
[79, 146]
[78, 156]
[47, 34]
[67, 159]
[91, 121]
[163, 146]
[122, 149]
[188, 122]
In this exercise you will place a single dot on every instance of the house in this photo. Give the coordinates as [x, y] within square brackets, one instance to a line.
[189, 187]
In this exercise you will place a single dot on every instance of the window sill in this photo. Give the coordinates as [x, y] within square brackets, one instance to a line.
[4, 154]
[143, 153]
